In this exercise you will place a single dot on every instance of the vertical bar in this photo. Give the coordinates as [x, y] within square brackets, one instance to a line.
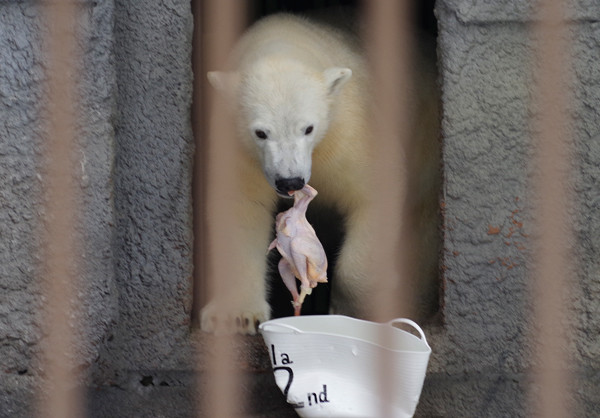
[59, 269]
[222, 25]
[551, 256]
[199, 170]
[389, 49]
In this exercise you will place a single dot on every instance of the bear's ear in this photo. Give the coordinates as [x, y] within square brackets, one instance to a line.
[335, 78]
[223, 81]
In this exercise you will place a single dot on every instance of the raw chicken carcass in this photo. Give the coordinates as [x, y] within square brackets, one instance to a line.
[302, 255]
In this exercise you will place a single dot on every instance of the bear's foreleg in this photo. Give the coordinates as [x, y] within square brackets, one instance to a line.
[243, 306]
[351, 282]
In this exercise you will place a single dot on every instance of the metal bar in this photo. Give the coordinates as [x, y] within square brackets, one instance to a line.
[198, 118]
[222, 25]
[550, 287]
[58, 273]
[388, 48]
[389, 52]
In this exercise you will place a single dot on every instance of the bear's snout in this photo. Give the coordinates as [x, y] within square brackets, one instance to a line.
[285, 185]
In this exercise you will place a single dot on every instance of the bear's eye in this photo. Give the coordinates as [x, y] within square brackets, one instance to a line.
[308, 130]
[260, 134]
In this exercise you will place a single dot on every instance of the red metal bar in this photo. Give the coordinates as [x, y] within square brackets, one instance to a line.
[58, 273]
[222, 20]
[388, 47]
[389, 50]
[550, 287]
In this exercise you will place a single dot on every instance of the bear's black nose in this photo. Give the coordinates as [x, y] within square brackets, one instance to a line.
[289, 185]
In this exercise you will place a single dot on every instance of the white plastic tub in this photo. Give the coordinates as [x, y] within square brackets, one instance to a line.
[329, 365]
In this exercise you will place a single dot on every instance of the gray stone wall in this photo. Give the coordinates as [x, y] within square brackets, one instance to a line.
[134, 168]
[482, 353]
[22, 141]
[152, 180]
[135, 176]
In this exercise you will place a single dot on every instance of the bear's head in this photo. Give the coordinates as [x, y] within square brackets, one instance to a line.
[283, 110]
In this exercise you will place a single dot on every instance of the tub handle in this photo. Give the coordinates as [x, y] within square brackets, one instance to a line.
[411, 323]
[278, 327]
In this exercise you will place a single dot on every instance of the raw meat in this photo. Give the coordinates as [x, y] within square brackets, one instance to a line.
[303, 256]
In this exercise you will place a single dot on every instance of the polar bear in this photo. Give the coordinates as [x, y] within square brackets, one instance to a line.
[300, 92]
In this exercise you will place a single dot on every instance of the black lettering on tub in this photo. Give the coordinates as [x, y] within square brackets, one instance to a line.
[321, 398]
[288, 385]
[285, 358]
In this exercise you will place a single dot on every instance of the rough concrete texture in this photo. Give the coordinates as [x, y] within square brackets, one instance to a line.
[20, 75]
[22, 100]
[482, 353]
[134, 166]
[482, 11]
[153, 166]
[135, 170]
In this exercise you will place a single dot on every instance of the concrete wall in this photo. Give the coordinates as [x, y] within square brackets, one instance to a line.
[481, 353]
[135, 177]
[22, 130]
[152, 174]
[136, 153]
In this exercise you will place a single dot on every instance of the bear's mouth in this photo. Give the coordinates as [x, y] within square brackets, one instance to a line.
[285, 195]
[286, 186]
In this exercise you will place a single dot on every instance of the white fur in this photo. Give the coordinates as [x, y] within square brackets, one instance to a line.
[288, 74]
[281, 98]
